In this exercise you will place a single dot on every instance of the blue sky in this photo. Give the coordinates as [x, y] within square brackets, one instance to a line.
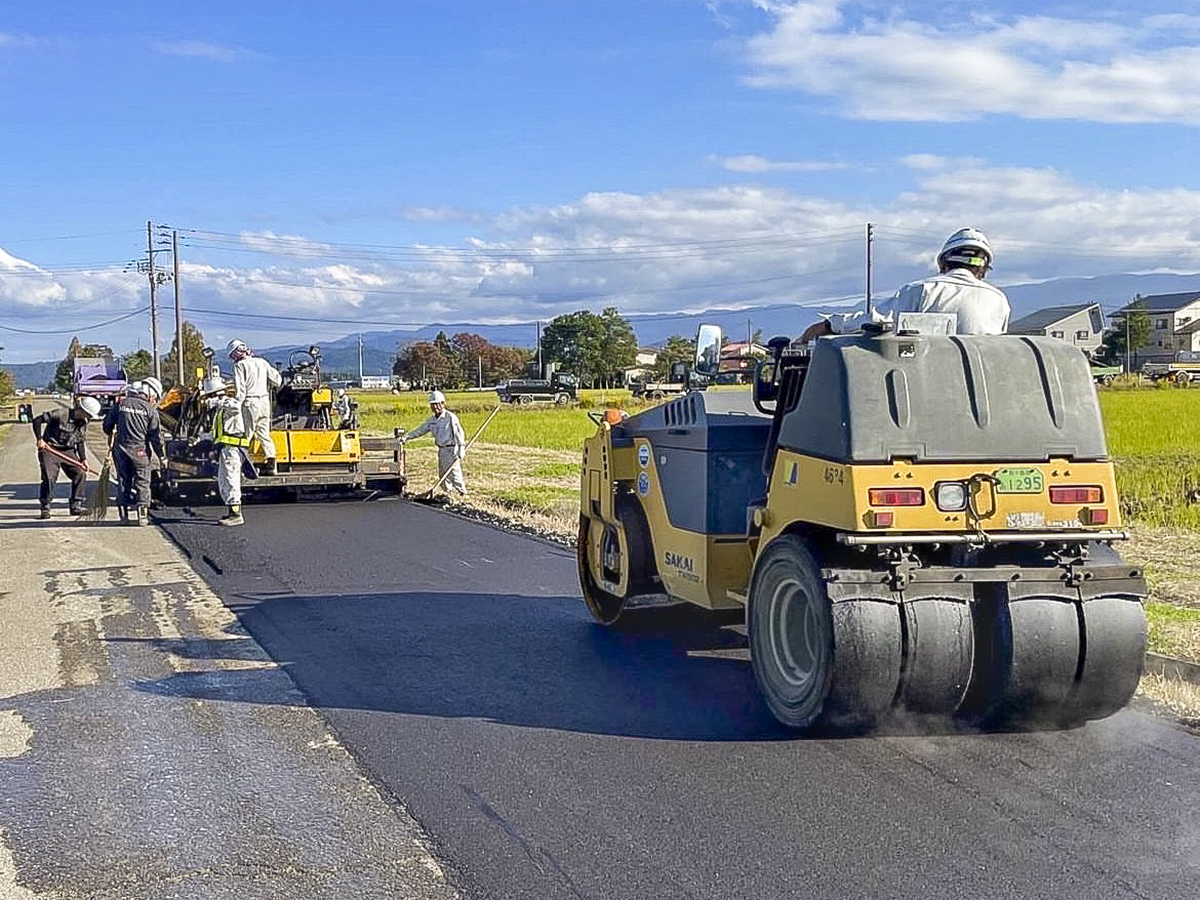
[332, 168]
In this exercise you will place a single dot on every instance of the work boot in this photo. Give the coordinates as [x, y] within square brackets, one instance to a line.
[143, 515]
[44, 513]
[123, 514]
[270, 467]
[77, 510]
[234, 517]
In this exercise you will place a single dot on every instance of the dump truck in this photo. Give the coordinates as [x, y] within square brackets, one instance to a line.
[559, 389]
[98, 377]
[911, 523]
[314, 455]
[1184, 368]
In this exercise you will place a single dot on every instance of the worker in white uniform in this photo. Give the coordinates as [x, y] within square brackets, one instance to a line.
[342, 407]
[959, 289]
[253, 378]
[450, 439]
[230, 440]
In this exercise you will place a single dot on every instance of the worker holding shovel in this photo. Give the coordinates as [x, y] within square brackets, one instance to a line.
[60, 435]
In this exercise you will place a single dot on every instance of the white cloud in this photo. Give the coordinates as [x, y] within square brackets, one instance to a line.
[724, 246]
[898, 68]
[750, 163]
[202, 50]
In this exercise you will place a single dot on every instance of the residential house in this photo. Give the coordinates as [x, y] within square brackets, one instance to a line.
[1081, 324]
[1173, 322]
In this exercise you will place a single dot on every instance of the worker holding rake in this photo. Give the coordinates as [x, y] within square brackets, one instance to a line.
[60, 435]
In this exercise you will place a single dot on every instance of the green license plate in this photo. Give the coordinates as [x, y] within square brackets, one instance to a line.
[1020, 480]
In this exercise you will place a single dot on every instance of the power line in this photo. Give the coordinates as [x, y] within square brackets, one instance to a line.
[129, 315]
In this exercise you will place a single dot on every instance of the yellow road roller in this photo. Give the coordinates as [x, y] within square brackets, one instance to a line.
[915, 523]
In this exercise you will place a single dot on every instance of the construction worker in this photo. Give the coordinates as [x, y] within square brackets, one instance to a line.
[133, 427]
[253, 379]
[450, 439]
[230, 439]
[342, 405]
[959, 288]
[62, 432]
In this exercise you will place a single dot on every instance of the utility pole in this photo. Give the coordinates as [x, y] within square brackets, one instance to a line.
[178, 312]
[360, 368]
[480, 360]
[870, 239]
[157, 364]
[539, 348]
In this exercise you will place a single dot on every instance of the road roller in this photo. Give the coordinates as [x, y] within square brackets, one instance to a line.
[913, 523]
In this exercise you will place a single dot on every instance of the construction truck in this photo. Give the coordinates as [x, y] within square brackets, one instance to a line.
[1183, 369]
[96, 376]
[919, 523]
[560, 389]
[314, 455]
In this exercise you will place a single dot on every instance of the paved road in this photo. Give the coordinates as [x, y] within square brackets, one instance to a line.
[550, 758]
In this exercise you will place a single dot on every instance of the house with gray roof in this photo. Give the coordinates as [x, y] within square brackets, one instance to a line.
[1081, 324]
[1173, 319]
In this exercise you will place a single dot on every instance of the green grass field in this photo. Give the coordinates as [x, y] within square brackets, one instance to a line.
[1153, 436]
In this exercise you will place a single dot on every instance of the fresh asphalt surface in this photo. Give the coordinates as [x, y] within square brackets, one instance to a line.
[549, 757]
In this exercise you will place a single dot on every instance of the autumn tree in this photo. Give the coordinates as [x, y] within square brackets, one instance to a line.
[423, 362]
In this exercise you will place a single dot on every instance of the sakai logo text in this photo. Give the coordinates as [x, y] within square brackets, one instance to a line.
[676, 561]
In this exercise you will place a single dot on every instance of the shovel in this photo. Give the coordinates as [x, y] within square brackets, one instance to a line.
[427, 496]
[77, 463]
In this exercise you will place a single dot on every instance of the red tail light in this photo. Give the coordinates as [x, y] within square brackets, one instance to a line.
[896, 496]
[1097, 516]
[1089, 493]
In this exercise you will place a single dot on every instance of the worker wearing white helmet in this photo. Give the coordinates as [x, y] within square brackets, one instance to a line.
[60, 436]
[451, 442]
[343, 408]
[959, 289]
[253, 379]
[231, 440]
[134, 428]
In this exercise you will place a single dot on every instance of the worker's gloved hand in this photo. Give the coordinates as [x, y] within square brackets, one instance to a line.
[462, 454]
[42, 445]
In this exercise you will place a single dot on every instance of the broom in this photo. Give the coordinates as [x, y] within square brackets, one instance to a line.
[97, 505]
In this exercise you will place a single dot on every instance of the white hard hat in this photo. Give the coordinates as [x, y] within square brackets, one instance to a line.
[437, 397]
[967, 247]
[213, 385]
[91, 406]
[135, 387]
[237, 346]
[341, 392]
[152, 384]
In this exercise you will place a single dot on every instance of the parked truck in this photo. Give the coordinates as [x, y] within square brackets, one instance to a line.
[1183, 368]
[559, 389]
[99, 377]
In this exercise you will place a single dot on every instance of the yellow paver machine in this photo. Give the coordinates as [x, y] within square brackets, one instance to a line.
[920, 523]
[314, 454]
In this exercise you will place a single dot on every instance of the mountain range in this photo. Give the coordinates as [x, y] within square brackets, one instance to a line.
[341, 355]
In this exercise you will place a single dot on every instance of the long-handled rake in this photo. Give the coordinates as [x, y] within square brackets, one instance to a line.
[97, 505]
[427, 496]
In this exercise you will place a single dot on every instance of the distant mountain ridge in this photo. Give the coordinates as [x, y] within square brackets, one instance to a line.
[379, 347]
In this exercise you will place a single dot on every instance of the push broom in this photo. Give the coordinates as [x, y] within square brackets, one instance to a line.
[97, 505]
[427, 496]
